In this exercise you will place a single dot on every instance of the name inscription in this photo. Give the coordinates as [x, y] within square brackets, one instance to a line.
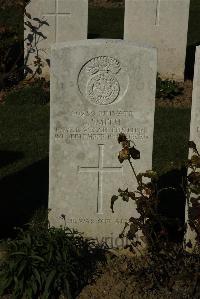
[101, 125]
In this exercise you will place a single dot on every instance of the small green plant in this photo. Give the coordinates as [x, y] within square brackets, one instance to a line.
[167, 89]
[46, 262]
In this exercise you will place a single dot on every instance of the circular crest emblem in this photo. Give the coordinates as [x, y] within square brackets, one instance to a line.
[98, 80]
[102, 89]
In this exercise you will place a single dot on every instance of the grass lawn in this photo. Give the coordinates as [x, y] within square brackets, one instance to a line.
[194, 23]
[24, 146]
[106, 23]
[24, 135]
[24, 143]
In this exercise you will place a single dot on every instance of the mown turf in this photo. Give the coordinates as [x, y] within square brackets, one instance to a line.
[24, 134]
[106, 23]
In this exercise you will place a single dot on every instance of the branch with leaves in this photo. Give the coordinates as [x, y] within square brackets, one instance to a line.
[193, 192]
[149, 226]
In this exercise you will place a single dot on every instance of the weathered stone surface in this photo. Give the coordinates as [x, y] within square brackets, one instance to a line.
[65, 20]
[194, 128]
[162, 24]
[99, 88]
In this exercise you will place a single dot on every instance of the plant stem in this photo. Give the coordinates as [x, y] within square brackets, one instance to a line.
[134, 171]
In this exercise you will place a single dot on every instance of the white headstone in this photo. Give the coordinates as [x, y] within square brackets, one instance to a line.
[194, 129]
[99, 88]
[65, 20]
[162, 24]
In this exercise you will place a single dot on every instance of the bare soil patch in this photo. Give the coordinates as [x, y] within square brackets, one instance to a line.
[117, 282]
[183, 100]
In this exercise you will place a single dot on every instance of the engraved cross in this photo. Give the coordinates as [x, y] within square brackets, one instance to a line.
[100, 170]
[157, 18]
[56, 15]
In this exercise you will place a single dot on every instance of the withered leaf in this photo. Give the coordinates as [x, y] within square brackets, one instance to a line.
[189, 244]
[195, 160]
[135, 154]
[121, 137]
[113, 199]
[124, 154]
[194, 177]
[27, 14]
[192, 145]
[132, 195]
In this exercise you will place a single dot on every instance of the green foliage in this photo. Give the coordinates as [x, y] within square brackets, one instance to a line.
[45, 262]
[167, 89]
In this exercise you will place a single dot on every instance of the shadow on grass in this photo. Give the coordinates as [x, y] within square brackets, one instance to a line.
[190, 61]
[22, 194]
[106, 23]
[193, 38]
[172, 202]
[93, 35]
[9, 157]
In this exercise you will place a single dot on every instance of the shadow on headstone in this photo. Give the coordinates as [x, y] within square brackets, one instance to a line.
[22, 194]
[190, 61]
[172, 202]
[9, 157]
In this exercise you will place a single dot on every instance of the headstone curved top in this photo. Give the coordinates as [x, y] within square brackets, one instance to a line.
[59, 21]
[162, 24]
[99, 88]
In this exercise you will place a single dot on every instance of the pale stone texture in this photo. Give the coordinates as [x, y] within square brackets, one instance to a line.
[66, 20]
[99, 88]
[162, 24]
[194, 126]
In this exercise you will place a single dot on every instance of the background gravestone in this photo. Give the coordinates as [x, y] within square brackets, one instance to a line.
[62, 20]
[195, 126]
[99, 88]
[162, 24]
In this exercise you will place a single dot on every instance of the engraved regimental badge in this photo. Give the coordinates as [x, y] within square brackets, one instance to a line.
[100, 80]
